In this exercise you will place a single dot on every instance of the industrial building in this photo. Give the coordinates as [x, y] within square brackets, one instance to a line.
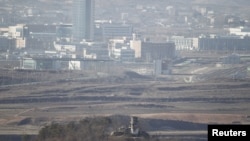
[120, 50]
[66, 64]
[231, 59]
[227, 43]
[113, 30]
[136, 49]
[151, 51]
[127, 55]
[36, 36]
[40, 31]
[64, 32]
[93, 50]
[162, 67]
[182, 43]
[7, 44]
[39, 64]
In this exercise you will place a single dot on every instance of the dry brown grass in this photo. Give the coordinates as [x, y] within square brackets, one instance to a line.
[197, 117]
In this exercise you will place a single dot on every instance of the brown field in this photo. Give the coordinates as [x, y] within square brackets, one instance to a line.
[167, 101]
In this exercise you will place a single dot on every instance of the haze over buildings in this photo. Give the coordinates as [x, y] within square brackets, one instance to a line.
[121, 31]
[180, 60]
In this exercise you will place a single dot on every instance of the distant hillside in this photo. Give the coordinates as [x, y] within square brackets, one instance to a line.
[223, 2]
[219, 2]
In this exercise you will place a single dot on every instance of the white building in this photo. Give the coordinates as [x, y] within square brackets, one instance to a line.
[135, 44]
[74, 65]
[240, 31]
[182, 43]
[20, 43]
[119, 49]
[65, 47]
[16, 31]
[89, 55]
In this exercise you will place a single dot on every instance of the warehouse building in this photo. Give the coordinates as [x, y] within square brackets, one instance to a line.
[151, 51]
[227, 43]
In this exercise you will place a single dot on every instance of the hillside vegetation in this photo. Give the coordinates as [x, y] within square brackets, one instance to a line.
[88, 129]
[99, 129]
